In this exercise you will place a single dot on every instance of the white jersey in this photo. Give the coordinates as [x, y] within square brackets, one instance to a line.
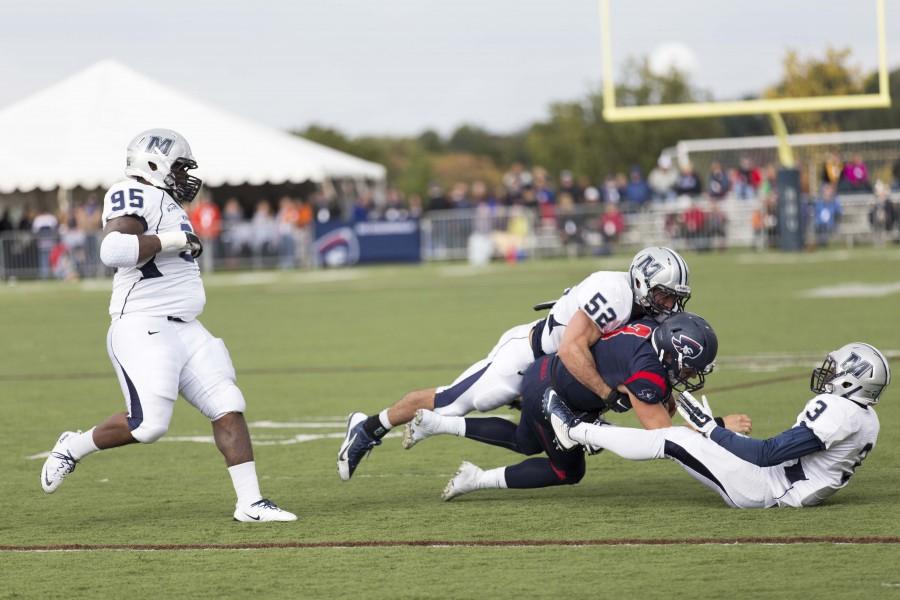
[167, 285]
[604, 296]
[849, 432]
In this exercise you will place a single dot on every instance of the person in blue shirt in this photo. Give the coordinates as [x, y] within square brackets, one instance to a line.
[637, 192]
[802, 466]
[826, 214]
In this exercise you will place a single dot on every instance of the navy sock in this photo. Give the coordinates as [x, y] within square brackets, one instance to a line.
[494, 431]
[374, 428]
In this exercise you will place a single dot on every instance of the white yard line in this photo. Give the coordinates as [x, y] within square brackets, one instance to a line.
[853, 290]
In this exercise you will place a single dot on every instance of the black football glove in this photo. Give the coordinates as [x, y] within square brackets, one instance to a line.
[617, 401]
[194, 245]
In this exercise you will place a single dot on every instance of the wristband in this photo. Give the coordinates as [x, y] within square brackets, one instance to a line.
[172, 241]
[719, 421]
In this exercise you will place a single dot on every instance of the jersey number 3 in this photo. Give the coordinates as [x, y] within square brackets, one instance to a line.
[818, 410]
[595, 307]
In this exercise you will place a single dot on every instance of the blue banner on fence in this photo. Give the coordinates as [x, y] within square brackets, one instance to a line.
[341, 243]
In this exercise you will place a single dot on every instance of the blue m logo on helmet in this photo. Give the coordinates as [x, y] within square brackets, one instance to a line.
[647, 266]
[856, 366]
[160, 144]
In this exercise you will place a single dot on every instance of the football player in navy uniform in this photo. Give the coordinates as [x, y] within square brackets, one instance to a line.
[802, 466]
[642, 360]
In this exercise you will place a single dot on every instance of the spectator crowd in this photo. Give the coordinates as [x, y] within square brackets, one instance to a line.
[585, 216]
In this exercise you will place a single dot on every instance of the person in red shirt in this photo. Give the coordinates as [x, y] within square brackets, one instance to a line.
[206, 218]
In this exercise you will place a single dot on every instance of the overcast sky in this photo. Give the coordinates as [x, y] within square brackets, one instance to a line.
[401, 66]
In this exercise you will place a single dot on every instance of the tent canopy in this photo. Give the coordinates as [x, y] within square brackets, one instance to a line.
[74, 133]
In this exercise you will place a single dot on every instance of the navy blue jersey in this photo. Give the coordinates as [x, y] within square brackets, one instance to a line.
[624, 356]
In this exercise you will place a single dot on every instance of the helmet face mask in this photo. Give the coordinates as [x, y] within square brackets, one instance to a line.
[686, 346]
[184, 187]
[659, 280]
[856, 371]
[162, 158]
[687, 379]
[663, 300]
[821, 376]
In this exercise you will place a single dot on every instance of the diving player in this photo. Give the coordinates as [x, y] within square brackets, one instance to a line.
[656, 285]
[646, 360]
[155, 342]
[801, 466]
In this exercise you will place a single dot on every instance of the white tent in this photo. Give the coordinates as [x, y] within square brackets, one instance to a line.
[74, 134]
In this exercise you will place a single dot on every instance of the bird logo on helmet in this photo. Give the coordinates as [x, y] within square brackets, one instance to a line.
[686, 346]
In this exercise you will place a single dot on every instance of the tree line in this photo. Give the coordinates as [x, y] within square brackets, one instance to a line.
[574, 136]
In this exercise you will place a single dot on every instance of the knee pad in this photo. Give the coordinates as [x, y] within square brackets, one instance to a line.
[575, 475]
[567, 469]
[210, 381]
[147, 433]
[223, 399]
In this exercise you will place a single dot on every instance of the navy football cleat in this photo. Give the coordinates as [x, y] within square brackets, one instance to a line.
[357, 444]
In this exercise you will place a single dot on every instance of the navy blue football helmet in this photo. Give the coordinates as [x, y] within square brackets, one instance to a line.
[686, 345]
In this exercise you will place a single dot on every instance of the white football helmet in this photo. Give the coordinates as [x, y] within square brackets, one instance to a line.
[162, 157]
[856, 371]
[656, 270]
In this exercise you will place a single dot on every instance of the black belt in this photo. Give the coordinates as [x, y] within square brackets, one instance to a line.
[176, 319]
[794, 473]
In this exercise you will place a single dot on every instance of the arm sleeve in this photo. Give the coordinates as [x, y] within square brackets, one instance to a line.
[119, 250]
[787, 445]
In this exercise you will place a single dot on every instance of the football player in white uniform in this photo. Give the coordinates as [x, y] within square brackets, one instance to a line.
[155, 342]
[656, 284]
[801, 466]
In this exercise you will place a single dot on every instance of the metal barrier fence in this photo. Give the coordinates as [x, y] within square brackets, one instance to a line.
[478, 235]
[512, 232]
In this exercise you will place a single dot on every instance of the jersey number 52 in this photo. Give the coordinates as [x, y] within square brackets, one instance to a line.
[594, 309]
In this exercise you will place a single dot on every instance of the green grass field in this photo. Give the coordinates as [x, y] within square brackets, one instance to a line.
[311, 347]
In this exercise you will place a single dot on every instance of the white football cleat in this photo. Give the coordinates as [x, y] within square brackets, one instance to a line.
[58, 465]
[262, 511]
[465, 481]
[423, 425]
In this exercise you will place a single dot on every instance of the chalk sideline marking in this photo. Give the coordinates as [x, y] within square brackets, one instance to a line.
[786, 540]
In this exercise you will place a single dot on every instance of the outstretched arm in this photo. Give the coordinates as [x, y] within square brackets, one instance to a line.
[651, 416]
[575, 353]
[787, 445]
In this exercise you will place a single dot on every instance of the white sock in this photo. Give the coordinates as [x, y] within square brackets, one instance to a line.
[453, 425]
[383, 418]
[450, 424]
[246, 486]
[627, 442]
[492, 479]
[82, 444]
